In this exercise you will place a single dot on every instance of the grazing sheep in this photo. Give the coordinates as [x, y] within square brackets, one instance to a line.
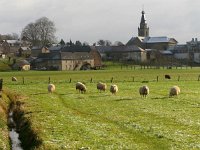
[167, 76]
[14, 79]
[113, 89]
[101, 86]
[51, 88]
[81, 87]
[174, 91]
[144, 91]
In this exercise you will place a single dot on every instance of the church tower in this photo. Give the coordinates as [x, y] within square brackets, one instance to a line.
[143, 30]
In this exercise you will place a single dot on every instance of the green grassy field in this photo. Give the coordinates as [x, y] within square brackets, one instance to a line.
[67, 119]
[4, 139]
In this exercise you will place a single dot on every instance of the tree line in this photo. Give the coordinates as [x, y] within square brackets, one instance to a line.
[42, 33]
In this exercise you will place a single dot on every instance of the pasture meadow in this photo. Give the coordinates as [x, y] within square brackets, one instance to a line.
[67, 119]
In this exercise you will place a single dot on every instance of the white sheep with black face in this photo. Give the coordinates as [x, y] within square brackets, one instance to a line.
[51, 88]
[144, 90]
[174, 91]
[81, 87]
[113, 89]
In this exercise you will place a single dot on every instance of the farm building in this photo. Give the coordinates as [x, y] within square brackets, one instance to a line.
[12, 47]
[21, 65]
[128, 53]
[36, 51]
[123, 53]
[69, 58]
[24, 51]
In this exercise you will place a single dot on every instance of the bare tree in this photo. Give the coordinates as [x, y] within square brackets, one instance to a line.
[104, 43]
[41, 32]
[101, 42]
[108, 43]
[15, 36]
[85, 44]
[118, 43]
[78, 43]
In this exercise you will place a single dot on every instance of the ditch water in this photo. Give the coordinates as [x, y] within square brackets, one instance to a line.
[14, 136]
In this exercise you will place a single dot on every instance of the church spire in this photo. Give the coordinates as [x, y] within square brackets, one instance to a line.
[143, 30]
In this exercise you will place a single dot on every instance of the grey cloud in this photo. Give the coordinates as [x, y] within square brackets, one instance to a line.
[115, 20]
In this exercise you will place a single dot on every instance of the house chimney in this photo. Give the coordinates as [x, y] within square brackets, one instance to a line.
[192, 39]
[196, 40]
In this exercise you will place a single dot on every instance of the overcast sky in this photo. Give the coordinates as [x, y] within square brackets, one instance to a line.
[114, 20]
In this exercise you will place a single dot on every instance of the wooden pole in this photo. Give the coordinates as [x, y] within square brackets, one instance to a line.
[111, 80]
[178, 78]
[23, 80]
[1, 84]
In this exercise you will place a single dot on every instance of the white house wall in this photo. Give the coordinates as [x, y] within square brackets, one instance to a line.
[181, 55]
[143, 56]
[71, 64]
[197, 57]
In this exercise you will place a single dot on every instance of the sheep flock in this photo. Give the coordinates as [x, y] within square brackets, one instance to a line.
[143, 90]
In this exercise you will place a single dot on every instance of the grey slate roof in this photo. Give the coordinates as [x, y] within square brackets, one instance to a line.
[75, 56]
[75, 48]
[131, 48]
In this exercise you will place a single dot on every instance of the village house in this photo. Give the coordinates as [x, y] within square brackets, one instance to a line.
[68, 58]
[11, 47]
[23, 65]
[36, 51]
[24, 51]
[190, 52]
[128, 53]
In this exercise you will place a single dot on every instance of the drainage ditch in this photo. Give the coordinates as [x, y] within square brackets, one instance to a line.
[21, 135]
[13, 135]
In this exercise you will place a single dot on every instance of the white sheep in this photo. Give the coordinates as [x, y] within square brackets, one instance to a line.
[113, 89]
[101, 86]
[144, 90]
[174, 91]
[51, 88]
[14, 79]
[81, 87]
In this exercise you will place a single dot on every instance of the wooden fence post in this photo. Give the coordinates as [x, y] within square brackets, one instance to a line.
[198, 77]
[91, 80]
[1, 84]
[111, 80]
[133, 79]
[179, 78]
[70, 80]
[23, 80]
[157, 79]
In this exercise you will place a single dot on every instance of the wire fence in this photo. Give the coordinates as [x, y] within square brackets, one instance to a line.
[110, 79]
